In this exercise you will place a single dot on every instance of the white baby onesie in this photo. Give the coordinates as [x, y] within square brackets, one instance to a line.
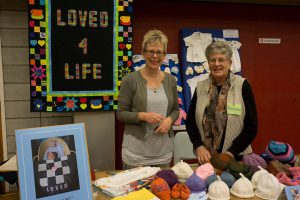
[196, 45]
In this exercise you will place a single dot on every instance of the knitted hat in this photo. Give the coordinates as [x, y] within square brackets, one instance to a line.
[169, 176]
[268, 187]
[212, 178]
[198, 196]
[236, 168]
[274, 167]
[195, 183]
[182, 170]
[257, 175]
[205, 170]
[266, 157]
[218, 190]
[221, 161]
[161, 189]
[253, 160]
[280, 151]
[242, 188]
[228, 178]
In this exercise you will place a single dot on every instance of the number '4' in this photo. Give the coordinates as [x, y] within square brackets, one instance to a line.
[83, 44]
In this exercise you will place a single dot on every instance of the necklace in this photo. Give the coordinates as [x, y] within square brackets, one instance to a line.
[154, 90]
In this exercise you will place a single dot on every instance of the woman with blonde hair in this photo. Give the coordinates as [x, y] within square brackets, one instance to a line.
[148, 106]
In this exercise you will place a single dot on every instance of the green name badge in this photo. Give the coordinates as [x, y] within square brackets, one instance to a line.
[234, 109]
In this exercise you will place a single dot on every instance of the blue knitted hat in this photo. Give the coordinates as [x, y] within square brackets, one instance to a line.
[195, 183]
[211, 179]
[227, 178]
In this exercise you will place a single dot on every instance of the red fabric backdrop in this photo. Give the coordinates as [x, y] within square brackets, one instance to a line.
[271, 69]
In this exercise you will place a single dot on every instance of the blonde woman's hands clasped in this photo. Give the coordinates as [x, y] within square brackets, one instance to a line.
[150, 117]
[164, 126]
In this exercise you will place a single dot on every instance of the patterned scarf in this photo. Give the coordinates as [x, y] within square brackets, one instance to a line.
[215, 115]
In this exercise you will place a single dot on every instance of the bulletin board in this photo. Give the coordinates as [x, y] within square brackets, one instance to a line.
[78, 53]
[196, 69]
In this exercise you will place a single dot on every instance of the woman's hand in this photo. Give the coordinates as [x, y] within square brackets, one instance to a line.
[150, 117]
[203, 155]
[164, 126]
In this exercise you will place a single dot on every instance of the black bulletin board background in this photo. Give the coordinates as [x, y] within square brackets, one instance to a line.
[64, 46]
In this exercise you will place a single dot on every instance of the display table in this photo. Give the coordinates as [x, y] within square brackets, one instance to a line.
[104, 174]
[100, 174]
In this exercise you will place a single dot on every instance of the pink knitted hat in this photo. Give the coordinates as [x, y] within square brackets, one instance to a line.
[205, 170]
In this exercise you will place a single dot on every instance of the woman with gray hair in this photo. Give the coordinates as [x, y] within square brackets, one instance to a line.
[148, 106]
[222, 115]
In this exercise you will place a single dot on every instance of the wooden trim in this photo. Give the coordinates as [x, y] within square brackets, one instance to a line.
[3, 145]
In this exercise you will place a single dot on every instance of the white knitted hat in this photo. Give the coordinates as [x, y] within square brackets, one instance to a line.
[242, 188]
[218, 190]
[182, 170]
[268, 187]
[257, 175]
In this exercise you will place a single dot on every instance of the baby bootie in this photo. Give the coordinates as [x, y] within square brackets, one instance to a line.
[295, 171]
[284, 179]
[175, 192]
[185, 192]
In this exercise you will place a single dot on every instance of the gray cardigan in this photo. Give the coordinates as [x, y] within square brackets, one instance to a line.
[133, 99]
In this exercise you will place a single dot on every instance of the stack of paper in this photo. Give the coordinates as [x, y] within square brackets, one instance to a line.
[10, 165]
[126, 181]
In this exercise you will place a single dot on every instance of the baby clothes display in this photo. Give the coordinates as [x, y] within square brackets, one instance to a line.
[193, 43]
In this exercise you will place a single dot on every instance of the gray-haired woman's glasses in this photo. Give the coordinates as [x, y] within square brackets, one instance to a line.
[220, 60]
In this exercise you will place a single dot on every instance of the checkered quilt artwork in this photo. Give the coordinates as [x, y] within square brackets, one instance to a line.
[52, 172]
[56, 176]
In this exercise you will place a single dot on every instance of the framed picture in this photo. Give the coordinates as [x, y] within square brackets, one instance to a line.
[292, 192]
[53, 163]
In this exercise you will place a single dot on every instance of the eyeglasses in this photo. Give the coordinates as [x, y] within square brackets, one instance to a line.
[151, 53]
[220, 60]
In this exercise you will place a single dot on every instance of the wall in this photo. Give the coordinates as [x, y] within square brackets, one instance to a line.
[13, 32]
[272, 70]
